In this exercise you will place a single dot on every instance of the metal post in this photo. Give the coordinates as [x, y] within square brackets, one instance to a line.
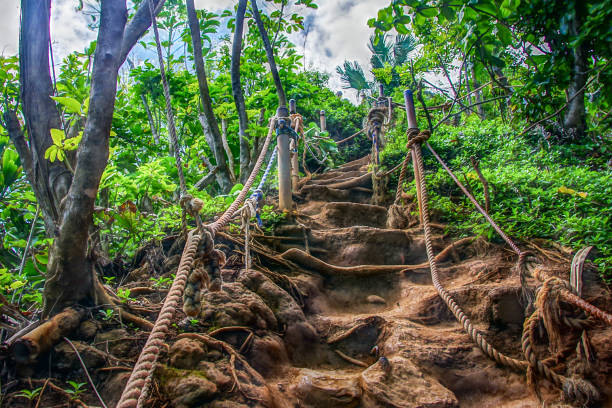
[323, 122]
[285, 201]
[295, 166]
[412, 124]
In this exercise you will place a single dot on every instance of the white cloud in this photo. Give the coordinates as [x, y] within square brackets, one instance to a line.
[340, 32]
[9, 26]
[69, 31]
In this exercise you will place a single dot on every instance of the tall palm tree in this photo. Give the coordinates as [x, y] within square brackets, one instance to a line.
[384, 51]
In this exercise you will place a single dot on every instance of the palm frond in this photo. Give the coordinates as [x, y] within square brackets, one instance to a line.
[381, 50]
[352, 76]
[404, 45]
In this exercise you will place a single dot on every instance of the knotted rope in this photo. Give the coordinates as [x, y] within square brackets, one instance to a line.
[547, 310]
[376, 118]
[450, 302]
[135, 391]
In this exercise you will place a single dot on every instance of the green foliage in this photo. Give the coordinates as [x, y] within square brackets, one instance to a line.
[75, 390]
[537, 190]
[107, 314]
[30, 394]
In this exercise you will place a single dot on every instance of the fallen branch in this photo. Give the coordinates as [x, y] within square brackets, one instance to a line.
[45, 336]
[485, 183]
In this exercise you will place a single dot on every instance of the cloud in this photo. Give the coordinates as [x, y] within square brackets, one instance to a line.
[9, 26]
[338, 31]
[69, 31]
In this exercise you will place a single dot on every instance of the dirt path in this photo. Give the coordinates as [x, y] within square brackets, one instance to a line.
[338, 310]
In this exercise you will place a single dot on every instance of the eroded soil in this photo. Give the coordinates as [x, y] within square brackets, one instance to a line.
[338, 310]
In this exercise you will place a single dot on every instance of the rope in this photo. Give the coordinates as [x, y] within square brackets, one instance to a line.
[140, 377]
[134, 393]
[450, 302]
[402, 176]
[169, 113]
[376, 117]
[351, 136]
[473, 200]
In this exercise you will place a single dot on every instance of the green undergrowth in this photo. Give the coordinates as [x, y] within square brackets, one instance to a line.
[562, 193]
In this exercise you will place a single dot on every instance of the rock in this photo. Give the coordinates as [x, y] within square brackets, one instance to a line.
[65, 358]
[113, 387]
[376, 300]
[315, 389]
[403, 386]
[88, 329]
[186, 353]
[268, 355]
[190, 391]
[236, 305]
[112, 341]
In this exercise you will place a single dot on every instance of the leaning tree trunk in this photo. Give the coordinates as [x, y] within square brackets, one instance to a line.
[67, 200]
[209, 124]
[574, 119]
[282, 99]
[237, 91]
[50, 181]
[71, 276]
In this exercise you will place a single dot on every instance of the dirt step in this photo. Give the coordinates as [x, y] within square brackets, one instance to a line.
[335, 175]
[324, 193]
[343, 214]
[368, 246]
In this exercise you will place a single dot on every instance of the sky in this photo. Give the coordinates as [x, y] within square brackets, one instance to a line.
[338, 31]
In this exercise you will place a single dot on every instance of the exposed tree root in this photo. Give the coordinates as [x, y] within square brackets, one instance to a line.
[351, 360]
[45, 336]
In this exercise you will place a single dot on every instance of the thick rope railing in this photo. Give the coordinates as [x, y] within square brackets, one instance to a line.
[485, 346]
[354, 135]
[576, 389]
[140, 377]
[136, 388]
[566, 294]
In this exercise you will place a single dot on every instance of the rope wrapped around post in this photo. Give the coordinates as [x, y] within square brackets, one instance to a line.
[376, 118]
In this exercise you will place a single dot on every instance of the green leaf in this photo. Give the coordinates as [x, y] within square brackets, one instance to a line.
[71, 104]
[58, 136]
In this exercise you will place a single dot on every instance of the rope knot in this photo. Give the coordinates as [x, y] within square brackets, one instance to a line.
[417, 137]
[191, 204]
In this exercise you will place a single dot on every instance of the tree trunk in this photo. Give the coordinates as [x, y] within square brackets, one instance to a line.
[209, 122]
[228, 151]
[575, 115]
[70, 275]
[237, 92]
[150, 118]
[68, 201]
[282, 99]
[480, 107]
[50, 181]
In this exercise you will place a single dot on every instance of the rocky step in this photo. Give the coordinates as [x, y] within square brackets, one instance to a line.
[335, 175]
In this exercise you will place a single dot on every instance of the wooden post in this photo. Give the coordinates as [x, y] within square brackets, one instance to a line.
[285, 200]
[295, 166]
[412, 124]
[323, 122]
[381, 91]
